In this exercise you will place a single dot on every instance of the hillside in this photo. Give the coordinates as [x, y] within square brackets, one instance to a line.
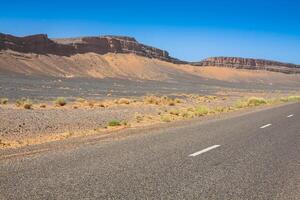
[125, 58]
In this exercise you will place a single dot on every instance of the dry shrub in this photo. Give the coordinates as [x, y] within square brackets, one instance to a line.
[123, 101]
[161, 100]
[3, 101]
[60, 101]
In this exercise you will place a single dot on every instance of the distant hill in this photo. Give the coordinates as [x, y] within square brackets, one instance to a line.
[250, 63]
[114, 56]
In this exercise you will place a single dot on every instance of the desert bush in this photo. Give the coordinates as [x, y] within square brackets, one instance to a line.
[114, 123]
[256, 101]
[201, 111]
[60, 101]
[3, 101]
[160, 100]
[165, 118]
[43, 106]
[152, 99]
[174, 112]
[20, 102]
[250, 102]
[178, 101]
[123, 101]
[27, 104]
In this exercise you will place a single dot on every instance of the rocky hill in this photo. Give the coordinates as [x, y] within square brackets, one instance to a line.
[101, 45]
[249, 63]
[41, 44]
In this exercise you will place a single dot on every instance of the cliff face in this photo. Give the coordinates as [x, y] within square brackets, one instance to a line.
[41, 44]
[249, 63]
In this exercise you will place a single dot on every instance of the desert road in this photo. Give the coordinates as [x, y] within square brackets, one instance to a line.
[251, 156]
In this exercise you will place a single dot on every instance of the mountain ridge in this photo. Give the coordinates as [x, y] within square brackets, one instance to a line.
[41, 44]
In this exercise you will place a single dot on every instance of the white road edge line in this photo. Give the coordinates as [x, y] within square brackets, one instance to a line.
[265, 126]
[204, 150]
[290, 116]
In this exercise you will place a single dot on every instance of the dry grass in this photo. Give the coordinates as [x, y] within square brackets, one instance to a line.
[250, 102]
[164, 100]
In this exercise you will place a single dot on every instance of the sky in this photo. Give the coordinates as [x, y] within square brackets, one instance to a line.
[190, 30]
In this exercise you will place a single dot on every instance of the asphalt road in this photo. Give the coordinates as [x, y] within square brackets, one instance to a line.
[253, 156]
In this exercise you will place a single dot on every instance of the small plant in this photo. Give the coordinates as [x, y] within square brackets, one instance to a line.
[27, 104]
[114, 123]
[102, 105]
[20, 102]
[165, 118]
[60, 101]
[201, 111]
[171, 103]
[3, 101]
[250, 102]
[174, 112]
[123, 101]
[139, 118]
[255, 101]
[178, 101]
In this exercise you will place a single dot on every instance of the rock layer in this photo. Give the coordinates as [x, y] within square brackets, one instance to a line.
[41, 44]
[250, 63]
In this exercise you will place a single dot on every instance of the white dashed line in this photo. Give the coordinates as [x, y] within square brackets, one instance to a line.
[203, 151]
[290, 116]
[265, 126]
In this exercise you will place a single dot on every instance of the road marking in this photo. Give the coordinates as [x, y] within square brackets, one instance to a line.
[203, 151]
[290, 116]
[265, 126]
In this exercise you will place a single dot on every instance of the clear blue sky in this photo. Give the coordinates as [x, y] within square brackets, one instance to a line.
[189, 29]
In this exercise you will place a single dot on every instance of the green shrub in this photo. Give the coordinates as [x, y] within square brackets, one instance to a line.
[294, 98]
[3, 101]
[114, 123]
[255, 101]
[60, 101]
[201, 110]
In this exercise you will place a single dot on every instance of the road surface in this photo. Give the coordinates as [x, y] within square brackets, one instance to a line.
[253, 156]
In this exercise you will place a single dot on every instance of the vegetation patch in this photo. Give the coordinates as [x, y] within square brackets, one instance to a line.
[60, 101]
[123, 101]
[250, 102]
[3, 101]
[294, 98]
[27, 104]
[201, 110]
[165, 118]
[164, 100]
[256, 101]
[114, 123]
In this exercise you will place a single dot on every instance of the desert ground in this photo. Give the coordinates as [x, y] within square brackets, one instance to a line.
[96, 106]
